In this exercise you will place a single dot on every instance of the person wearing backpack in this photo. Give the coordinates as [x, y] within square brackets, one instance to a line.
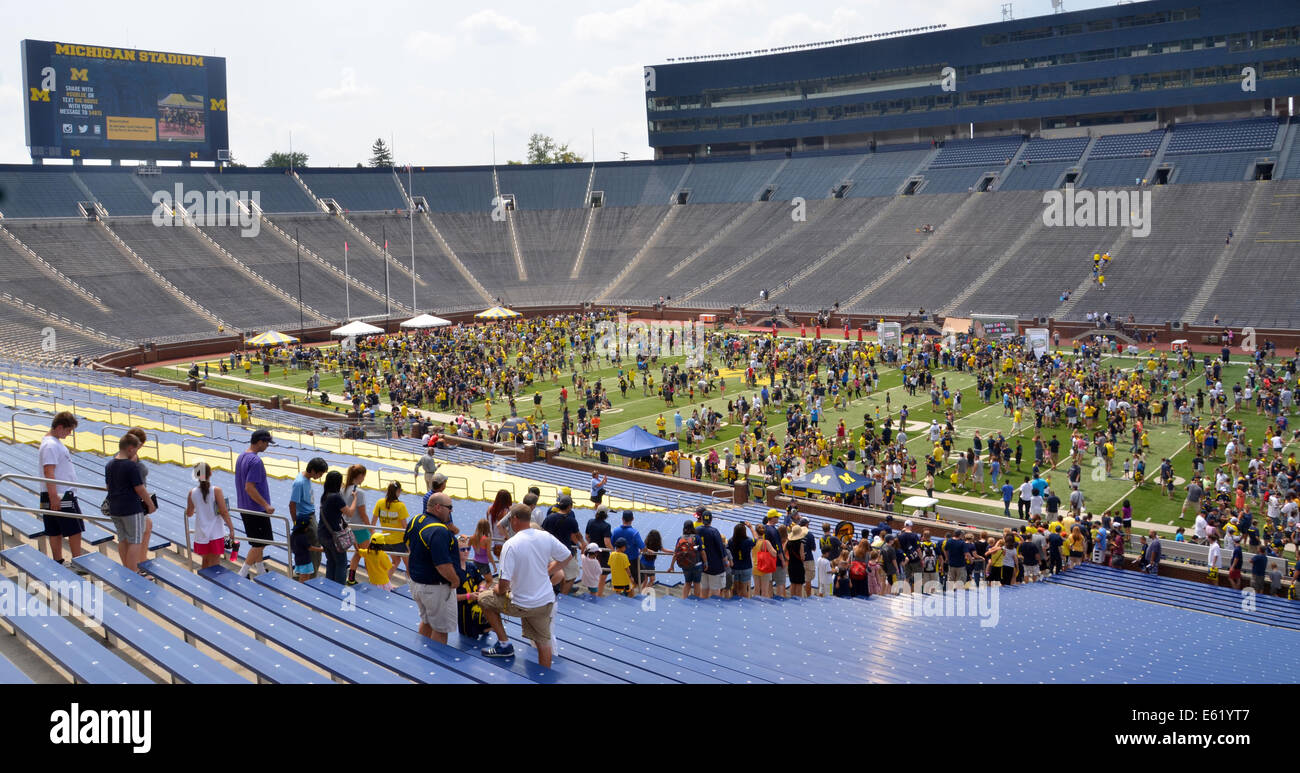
[929, 565]
[829, 545]
[859, 571]
[909, 544]
[740, 546]
[686, 554]
[764, 565]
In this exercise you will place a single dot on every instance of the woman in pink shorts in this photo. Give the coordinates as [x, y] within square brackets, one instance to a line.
[208, 506]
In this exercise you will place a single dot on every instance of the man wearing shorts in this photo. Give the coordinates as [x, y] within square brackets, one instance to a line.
[56, 464]
[253, 493]
[434, 566]
[713, 555]
[562, 525]
[530, 562]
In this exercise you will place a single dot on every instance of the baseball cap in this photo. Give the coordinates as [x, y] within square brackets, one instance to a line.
[620, 542]
[592, 548]
[706, 517]
[773, 513]
[907, 522]
[439, 479]
[260, 435]
[563, 500]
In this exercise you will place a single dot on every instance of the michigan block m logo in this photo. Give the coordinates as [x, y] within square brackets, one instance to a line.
[217, 104]
[81, 74]
[40, 95]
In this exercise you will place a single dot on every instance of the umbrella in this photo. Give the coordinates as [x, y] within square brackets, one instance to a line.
[497, 312]
[831, 480]
[270, 338]
[356, 329]
[426, 320]
[512, 430]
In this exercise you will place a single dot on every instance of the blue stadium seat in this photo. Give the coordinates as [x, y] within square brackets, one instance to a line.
[183, 662]
[396, 659]
[467, 667]
[268, 664]
[342, 664]
[66, 644]
[10, 674]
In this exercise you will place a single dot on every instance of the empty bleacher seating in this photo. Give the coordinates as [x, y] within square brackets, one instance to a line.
[977, 152]
[356, 191]
[1254, 134]
[1127, 145]
[1066, 149]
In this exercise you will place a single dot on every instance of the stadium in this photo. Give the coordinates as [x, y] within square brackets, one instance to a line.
[858, 281]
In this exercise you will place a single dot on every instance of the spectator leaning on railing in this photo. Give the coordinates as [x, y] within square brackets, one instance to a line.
[128, 502]
[56, 464]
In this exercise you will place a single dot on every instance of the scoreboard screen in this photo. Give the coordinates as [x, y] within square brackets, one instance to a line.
[87, 101]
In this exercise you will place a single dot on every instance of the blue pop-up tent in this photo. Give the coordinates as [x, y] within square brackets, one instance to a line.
[635, 443]
[831, 480]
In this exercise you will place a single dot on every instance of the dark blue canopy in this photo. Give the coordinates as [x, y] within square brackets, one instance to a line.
[831, 480]
[635, 443]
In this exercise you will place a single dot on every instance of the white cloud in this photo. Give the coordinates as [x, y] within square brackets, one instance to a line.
[347, 89]
[614, 80]
[430, 45]
[487, 27]
[655, 18]
[802, 28]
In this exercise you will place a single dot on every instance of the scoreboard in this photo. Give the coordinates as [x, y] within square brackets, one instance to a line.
[84, 101]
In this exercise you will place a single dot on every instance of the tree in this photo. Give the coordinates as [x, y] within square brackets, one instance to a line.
[544, 150]
[280, 160]
[380, 154]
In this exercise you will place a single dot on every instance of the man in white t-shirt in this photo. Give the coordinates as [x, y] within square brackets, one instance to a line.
[1199, 530]
[1212, 560]
[56, 464]
[532, 562]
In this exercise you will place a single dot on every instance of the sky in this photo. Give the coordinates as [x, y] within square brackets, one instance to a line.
[441, 80]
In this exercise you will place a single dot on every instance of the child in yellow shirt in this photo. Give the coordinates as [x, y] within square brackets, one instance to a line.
[619, 575]
[378, 567]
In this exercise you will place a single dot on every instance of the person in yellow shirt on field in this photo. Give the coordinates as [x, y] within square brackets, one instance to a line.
[1015, 422]
[661, 424]
[619, 575]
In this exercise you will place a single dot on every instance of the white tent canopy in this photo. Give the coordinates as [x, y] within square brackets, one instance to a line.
[425, 320]
[357, 329]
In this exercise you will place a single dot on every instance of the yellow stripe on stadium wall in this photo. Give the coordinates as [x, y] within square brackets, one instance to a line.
[463, 481]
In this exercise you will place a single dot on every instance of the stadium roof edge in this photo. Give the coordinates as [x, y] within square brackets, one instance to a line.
[917, 39]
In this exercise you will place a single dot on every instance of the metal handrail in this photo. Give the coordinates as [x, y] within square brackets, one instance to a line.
[13, 422]
[288, 530]
[184, 447]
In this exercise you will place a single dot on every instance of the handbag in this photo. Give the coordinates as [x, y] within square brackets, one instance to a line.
[343, 540]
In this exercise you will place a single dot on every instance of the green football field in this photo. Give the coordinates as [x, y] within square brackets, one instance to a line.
[1102, 492]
